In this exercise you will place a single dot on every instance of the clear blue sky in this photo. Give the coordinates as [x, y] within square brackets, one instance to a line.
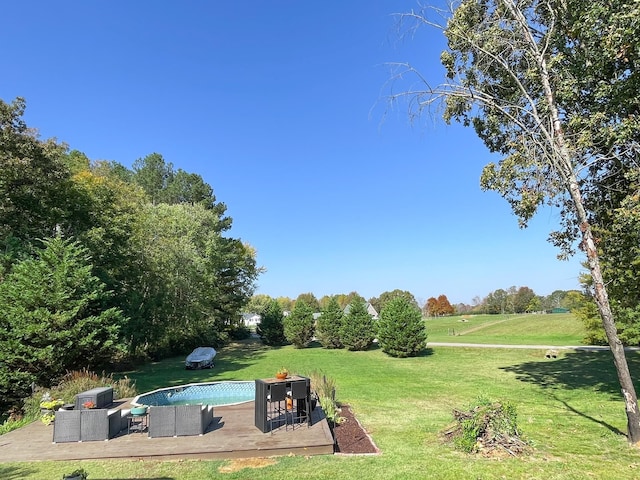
[279, 106]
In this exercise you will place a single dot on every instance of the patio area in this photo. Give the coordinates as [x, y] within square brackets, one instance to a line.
[232, 434]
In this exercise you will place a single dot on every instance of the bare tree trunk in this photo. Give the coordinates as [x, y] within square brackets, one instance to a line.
[604, 308]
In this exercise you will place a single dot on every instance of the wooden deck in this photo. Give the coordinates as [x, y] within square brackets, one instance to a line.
[232, 434]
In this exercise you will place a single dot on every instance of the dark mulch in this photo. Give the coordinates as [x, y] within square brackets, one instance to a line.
[349, 435]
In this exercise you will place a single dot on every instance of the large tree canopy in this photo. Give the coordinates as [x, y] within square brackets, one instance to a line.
[154, 238]
[550, 87]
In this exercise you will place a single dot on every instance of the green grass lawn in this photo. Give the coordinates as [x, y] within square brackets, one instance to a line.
[569, 409]
[526, 329]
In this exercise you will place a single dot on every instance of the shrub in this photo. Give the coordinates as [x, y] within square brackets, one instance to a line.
[325, 388]
[75, 382]
[401, 331]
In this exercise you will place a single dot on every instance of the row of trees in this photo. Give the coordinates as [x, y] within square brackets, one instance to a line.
[399, 330]
[511, 300]
[523, 299]
[102, 264]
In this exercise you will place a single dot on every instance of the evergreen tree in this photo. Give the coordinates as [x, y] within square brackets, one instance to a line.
[401, 331]
[53, 319]
[271, 327]
[358, 329]
[329, 325]
[299, 325]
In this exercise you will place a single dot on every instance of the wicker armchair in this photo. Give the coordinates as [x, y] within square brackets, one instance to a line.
[86, 425]
[179, 420]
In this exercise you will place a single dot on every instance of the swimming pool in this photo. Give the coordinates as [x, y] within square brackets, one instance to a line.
[214, 393]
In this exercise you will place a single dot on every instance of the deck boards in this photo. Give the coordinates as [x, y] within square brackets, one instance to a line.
[232, 434]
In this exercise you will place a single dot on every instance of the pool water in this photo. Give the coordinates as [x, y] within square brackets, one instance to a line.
[214, 393]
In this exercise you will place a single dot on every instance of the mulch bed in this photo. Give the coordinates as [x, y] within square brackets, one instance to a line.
[349, 435]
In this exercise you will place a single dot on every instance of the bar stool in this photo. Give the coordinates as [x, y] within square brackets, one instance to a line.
[276, 397]
[300, 401]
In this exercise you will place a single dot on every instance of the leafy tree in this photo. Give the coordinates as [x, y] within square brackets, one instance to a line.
[535, 305]
[310, 299]
[153, 174]
[109, 212]
[271, 326]
[186, 187]
[401, 331]
[286, 304]
[554, 300]
[618, 232]
[444, 307]
[385, 297]
[346, 299]
[329, 325]
[258, 304]
[299, 324]
[436, 307]
[552, 88]
[358, 328]
[496, 301]
[53, 319]
[34, 183]
[197, 280]
[574, 299]
[522, 299]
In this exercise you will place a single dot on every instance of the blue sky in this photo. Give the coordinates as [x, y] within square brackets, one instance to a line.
[279, 105]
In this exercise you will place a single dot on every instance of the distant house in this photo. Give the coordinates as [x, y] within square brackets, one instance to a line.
[370, 310]
[251, 319]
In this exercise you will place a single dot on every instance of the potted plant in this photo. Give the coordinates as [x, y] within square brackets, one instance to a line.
[89, 404]
[79, 474]
[282, 373]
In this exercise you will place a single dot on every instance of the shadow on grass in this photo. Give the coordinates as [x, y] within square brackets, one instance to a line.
[10, 472]
[578, 370]
[615, 430]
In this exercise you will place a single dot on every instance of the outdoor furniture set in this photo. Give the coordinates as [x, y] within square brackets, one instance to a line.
[282, 401]
[92, 420]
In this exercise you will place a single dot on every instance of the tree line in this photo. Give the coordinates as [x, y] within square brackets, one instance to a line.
[102, 265]
[399, 330]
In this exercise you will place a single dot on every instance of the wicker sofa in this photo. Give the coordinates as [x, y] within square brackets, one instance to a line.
[179, 420]
[86, 425]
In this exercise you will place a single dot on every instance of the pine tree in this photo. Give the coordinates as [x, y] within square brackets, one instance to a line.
[271, 327]
[358, 329]
[299, 325]
[53, 319]
[401, 331]
[329, 325]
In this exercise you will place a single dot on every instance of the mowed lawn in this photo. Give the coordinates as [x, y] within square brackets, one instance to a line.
[570, 410]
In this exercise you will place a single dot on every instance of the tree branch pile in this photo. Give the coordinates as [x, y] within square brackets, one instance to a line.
[488, 429]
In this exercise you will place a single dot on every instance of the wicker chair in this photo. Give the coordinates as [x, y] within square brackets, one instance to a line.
[86, 425]
[179, 420]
